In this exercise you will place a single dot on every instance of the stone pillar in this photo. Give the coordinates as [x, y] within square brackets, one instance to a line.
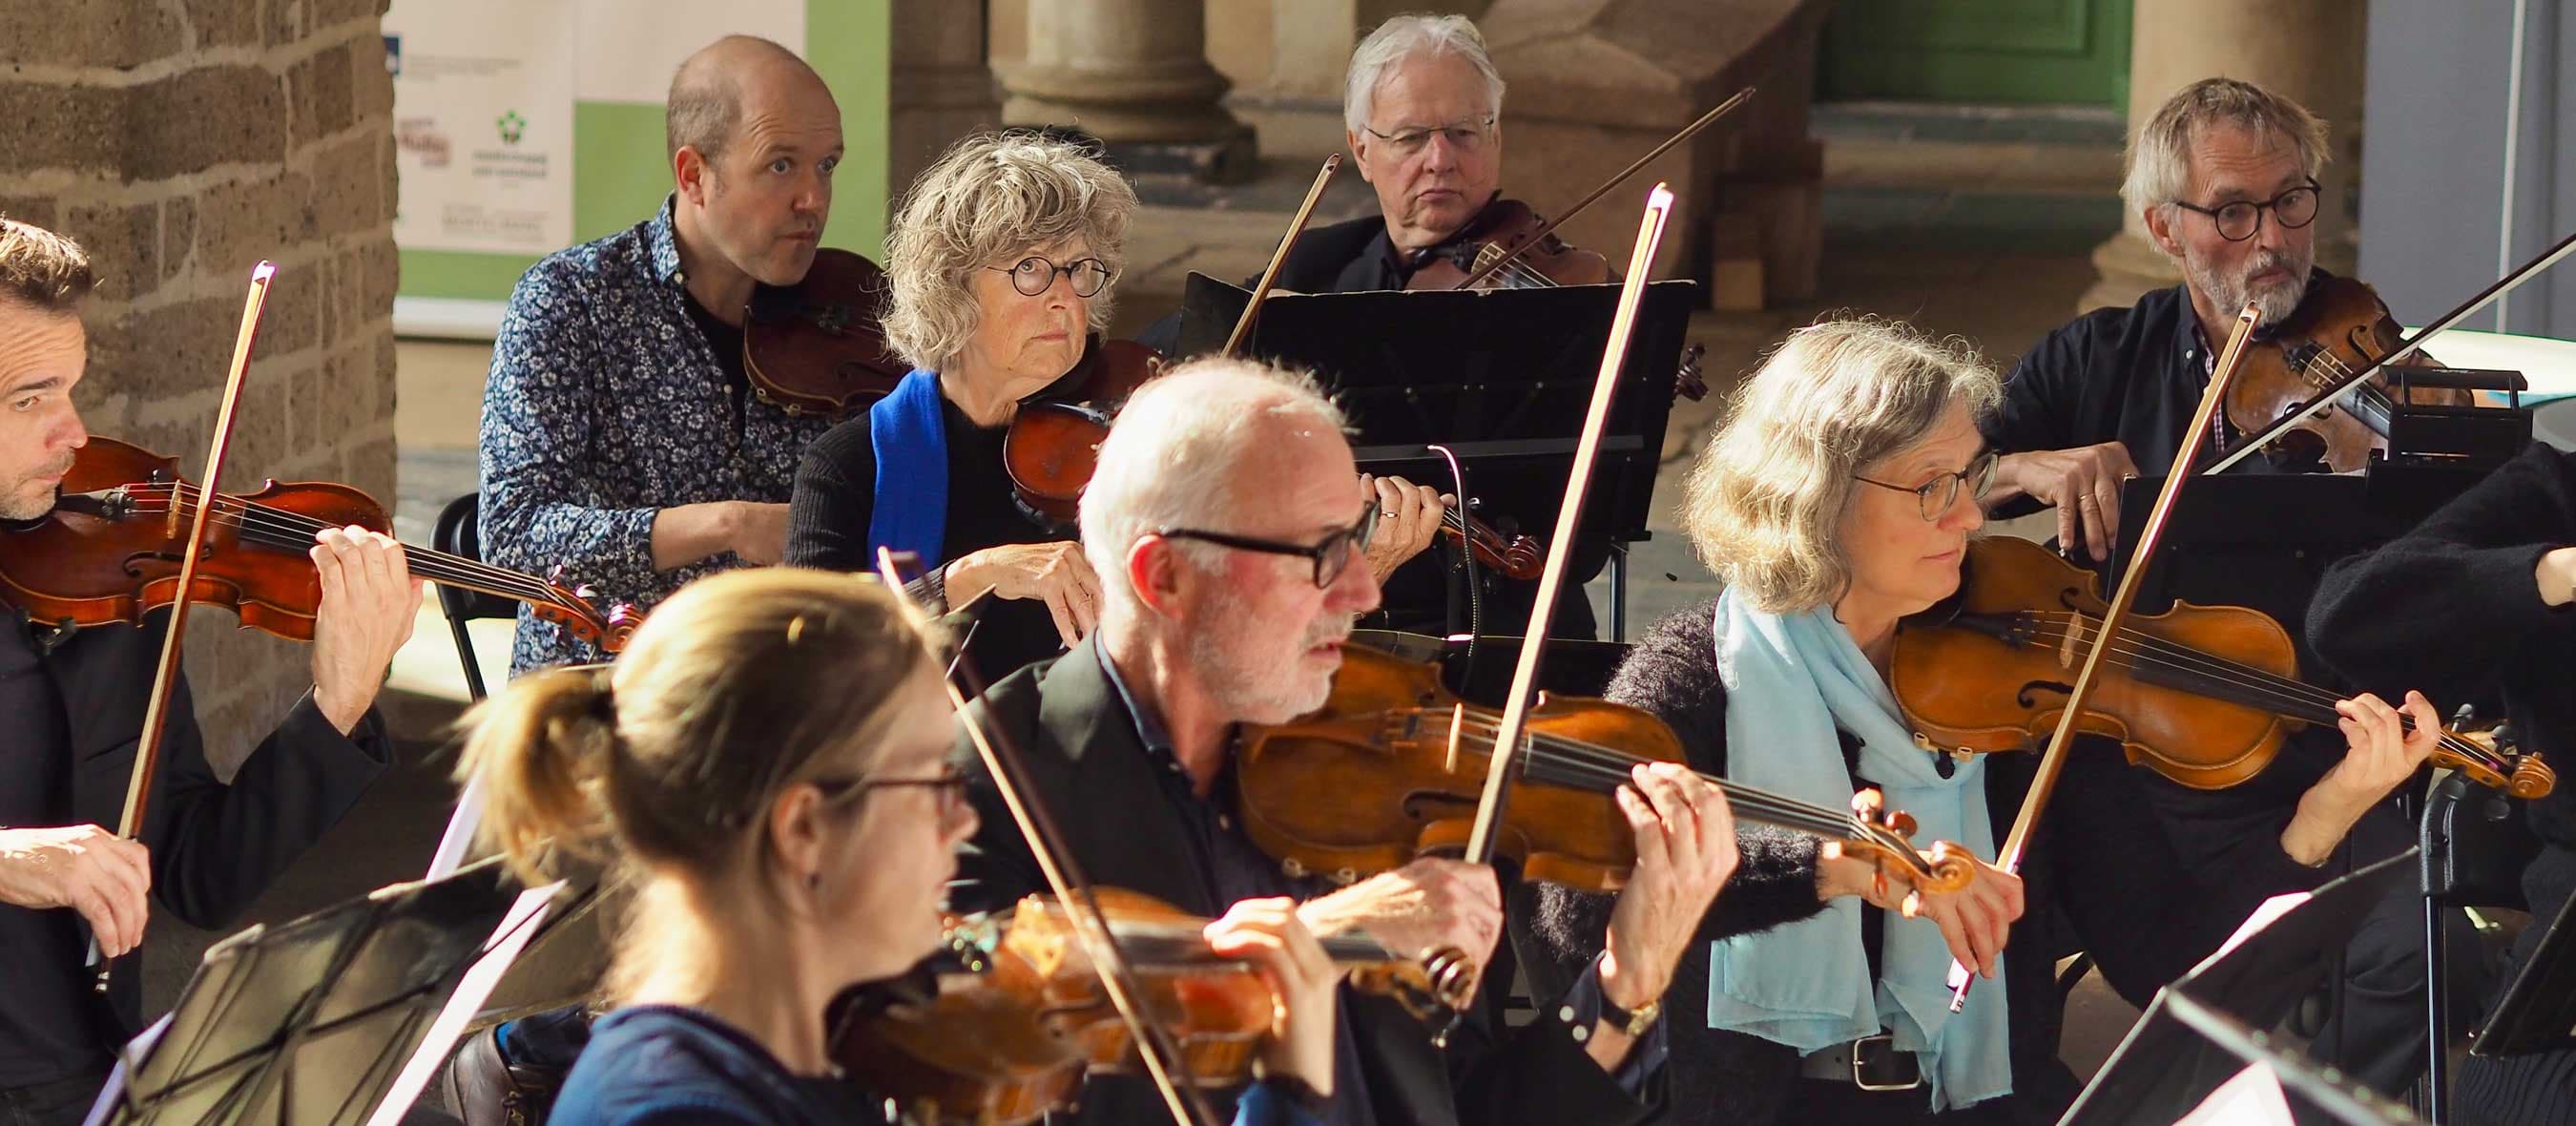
[181, 144]
[1593, 86]
[940, 89]
[2309, 51]
[1135, 74]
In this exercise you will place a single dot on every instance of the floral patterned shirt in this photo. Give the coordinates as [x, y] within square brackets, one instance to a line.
[605, 405]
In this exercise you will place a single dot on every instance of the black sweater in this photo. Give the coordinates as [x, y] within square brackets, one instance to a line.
[2099, 875]
[827, 527]
[2451, 608]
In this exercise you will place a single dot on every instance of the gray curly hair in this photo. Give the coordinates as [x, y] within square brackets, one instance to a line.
[991, 198]
[1764, 504]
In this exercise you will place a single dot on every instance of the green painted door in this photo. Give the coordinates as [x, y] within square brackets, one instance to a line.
[2065, 51]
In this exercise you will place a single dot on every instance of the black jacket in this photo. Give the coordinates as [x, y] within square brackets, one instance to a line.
[215, 847]
[2099, 875]
[2451, 608]
[1093, 775]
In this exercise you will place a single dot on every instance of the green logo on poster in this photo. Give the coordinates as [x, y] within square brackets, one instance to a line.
[512, 126]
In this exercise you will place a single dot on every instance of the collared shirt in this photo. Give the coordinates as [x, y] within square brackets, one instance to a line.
[1236, 869]
[2132, 375]
[607, 404]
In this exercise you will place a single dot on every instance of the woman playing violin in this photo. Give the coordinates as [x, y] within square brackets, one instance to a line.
[1004, 257]
[764, 765]
[1837, 500]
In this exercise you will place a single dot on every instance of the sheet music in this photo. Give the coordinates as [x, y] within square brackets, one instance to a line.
[2253, 1098]
[114, 1091]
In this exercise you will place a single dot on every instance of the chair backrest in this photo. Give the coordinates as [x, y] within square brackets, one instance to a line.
[2476, 844]
[459, 533]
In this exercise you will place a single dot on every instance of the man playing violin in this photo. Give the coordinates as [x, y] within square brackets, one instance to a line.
[2224, 175]
[75, 702]
[621, 440]
[1228, 594]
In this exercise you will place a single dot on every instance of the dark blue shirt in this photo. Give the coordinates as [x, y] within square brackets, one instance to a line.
[607, 403]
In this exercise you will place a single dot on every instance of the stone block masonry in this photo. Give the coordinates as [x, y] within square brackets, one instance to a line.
[182, 141]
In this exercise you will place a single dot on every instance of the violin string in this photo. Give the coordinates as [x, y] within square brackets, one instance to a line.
[2292, 698]
[2295, 698]
[272, 519]
[2319, 702]
[1578, 761]
[284, 528]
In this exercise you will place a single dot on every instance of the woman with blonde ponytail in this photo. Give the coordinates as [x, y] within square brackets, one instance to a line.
[763, 767]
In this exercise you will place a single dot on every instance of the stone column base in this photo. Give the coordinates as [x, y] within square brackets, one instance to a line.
[2130, 267]
[1165, 122]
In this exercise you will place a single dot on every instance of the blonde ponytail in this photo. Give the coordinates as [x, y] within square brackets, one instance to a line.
[542, 751]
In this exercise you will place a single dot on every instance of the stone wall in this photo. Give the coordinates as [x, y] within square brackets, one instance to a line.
[182, 141]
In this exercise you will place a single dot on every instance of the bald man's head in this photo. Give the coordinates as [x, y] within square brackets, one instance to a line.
[711, 87]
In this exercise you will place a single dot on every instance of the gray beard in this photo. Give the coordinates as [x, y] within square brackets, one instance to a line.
[2274, 303]
[1251, 694]
[13, 509]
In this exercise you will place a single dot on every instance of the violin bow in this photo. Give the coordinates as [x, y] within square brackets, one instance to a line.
[2052, 762]
[1002, 759]
[165, 675]
[2447, 321]
[1548, 228]
[1279, 256]
[1510, 730]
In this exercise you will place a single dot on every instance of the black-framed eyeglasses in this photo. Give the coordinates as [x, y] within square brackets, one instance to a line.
[1465, 136]
[948, 784]
[1033, 274]
[2238, 221]
[1331, 557]
[1938, 494]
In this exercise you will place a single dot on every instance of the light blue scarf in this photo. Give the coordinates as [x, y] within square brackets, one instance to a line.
[1790, 682]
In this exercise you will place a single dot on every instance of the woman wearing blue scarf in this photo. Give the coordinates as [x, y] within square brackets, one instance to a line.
[764, 767]
[1838, 498]
[1002, 258]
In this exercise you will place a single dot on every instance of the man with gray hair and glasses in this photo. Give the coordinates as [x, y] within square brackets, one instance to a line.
[2225, 177]
[1227, 525]
[1422, 108]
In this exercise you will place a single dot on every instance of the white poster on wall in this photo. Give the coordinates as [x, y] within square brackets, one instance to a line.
[483, 94]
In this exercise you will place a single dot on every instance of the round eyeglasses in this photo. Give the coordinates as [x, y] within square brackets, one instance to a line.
[1033, 274]
[2238, 221]
[1937, 495]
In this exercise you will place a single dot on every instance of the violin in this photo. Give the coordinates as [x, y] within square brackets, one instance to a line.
[1016, 1020]
[1525, 245]
[818, 347]
[1053, 445]
[2340, 328]
[2200, 694]
[110, 552]
[1391, 766]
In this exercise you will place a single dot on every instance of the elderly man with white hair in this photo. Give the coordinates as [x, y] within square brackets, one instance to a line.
[2225, 177]
[1227, 524]
[1422, 107]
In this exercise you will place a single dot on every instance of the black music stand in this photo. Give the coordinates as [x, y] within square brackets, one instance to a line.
[311, 1023]
[2211, 1025]
[2538, 1012]
[1501, 377]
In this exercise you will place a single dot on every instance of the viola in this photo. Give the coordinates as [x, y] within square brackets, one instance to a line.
[1053, 445]
[1391, 766]
[1531, 255]
[819, 347]
[2200, 694]
[1015, 1019]
[110, 552]
[2340, 328]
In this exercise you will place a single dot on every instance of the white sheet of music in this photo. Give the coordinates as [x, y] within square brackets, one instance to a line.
[512, 936]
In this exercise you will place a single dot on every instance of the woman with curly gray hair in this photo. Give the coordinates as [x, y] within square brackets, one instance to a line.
[1838, 500]
[1003, 262]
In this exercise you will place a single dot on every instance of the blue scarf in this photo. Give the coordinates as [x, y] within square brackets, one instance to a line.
[911, 446]
[1791, 681]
